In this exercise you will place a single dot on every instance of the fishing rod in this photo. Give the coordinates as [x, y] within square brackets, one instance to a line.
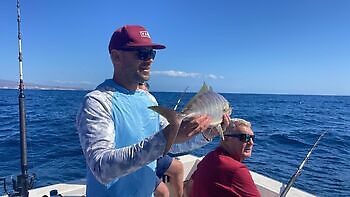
[298, 172]
[22, 184]
[178, 101]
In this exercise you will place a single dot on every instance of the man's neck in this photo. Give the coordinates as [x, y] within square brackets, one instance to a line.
[124, 83]
[223, 149]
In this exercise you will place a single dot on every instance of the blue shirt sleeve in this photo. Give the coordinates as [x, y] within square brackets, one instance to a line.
[96, 133]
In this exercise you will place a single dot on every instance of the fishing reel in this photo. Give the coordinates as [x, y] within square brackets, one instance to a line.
[3, 179]
[21, 182]
[18, 184]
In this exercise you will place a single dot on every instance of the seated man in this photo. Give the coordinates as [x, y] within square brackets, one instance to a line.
[221, 172]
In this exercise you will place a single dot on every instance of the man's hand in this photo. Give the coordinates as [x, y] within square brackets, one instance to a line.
[191, 126]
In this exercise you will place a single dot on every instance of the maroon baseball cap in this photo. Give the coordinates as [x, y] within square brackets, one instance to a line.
[132, 36]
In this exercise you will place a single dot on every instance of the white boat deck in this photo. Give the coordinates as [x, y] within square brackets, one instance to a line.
[268, 187]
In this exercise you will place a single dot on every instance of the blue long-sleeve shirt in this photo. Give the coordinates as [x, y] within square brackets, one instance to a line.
[121, 139]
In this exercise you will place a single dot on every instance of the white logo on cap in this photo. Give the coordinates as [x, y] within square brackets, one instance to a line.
[145, 34]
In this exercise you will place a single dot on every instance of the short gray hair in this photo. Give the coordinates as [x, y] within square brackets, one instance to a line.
[237, 122]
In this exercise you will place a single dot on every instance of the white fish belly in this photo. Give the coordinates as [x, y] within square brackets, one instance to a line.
[209, 103]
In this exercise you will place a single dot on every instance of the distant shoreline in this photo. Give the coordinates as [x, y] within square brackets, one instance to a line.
[8, 85]
[38, 87]
[44, 88]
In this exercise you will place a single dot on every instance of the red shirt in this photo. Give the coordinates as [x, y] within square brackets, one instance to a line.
[218, 174]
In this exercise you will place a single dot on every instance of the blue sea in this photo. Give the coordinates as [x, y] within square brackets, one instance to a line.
[286, 127]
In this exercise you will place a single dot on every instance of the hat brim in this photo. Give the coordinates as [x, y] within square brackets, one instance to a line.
[153, 45]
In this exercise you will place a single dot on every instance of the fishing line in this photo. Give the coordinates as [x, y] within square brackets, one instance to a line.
[178, 101]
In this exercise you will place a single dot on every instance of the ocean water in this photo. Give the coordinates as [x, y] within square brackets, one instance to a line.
[286, 127]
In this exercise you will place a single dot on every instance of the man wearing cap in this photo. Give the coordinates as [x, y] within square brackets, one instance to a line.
[121, 138]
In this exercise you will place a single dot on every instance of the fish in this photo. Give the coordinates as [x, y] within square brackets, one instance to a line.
[205, 102]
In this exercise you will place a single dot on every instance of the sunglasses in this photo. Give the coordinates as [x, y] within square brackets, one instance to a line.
[242, 137]
[143, 54]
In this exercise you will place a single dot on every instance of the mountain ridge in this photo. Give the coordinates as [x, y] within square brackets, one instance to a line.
[8, 84]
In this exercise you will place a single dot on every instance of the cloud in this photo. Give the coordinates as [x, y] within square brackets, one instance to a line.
[212, 76]
[72, 82]
[173, 73]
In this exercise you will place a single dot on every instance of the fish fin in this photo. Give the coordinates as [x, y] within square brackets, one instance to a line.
[221, 132]
[168, 113]
[205, 88]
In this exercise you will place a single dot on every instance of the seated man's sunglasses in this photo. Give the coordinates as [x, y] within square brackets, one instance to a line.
[242, 137]
[143, 54]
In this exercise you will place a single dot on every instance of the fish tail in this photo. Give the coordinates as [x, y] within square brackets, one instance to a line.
[168, 114]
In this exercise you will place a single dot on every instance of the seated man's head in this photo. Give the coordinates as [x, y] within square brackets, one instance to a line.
[238, 139]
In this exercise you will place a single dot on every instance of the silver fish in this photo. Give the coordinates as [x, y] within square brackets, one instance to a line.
[205, 102]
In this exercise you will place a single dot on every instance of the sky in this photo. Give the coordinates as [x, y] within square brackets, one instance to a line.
[247, 46]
